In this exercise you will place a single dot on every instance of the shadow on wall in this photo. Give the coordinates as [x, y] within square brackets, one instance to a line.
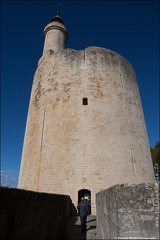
[33, 215]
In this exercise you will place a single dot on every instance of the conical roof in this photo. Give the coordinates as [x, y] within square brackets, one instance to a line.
[57, 18]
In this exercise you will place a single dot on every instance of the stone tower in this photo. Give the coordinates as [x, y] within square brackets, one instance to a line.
[85, 129]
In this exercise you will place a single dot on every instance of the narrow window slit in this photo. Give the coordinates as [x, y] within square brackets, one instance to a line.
[85, 101]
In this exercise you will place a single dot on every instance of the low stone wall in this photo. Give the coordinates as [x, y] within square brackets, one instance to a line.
[32, 215]
[128, 212]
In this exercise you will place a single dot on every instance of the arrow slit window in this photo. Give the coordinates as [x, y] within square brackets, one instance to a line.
[85, 101]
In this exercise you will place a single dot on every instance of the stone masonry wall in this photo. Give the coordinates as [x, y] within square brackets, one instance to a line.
[31, 215]
[70, 146]
[128, 212]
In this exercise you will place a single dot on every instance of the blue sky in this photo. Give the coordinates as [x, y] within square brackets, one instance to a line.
[130, 28]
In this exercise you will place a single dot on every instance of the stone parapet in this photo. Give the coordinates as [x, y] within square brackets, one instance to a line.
[128, 212]
[33, 215]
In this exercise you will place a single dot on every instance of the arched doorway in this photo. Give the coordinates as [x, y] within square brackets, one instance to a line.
[86, 193]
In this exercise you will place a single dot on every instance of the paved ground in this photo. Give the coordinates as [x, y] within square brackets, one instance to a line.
[74, 228]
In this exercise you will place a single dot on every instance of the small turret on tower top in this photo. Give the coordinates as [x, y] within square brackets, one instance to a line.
[56, 35]
[57, 18]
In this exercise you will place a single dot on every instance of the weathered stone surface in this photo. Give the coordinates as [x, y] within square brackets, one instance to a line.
[31, 215]
[125, 211]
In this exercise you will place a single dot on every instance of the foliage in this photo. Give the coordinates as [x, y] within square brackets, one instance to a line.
[155, 153]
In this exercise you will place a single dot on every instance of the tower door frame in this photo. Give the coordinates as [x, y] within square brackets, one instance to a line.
[85, 193]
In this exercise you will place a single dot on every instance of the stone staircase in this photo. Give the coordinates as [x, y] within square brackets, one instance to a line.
[74, 228]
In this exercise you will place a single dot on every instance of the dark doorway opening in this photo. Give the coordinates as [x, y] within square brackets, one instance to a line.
[86, 193]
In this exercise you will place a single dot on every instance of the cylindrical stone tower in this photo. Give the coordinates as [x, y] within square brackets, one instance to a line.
[55, 35]
[85, 128]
